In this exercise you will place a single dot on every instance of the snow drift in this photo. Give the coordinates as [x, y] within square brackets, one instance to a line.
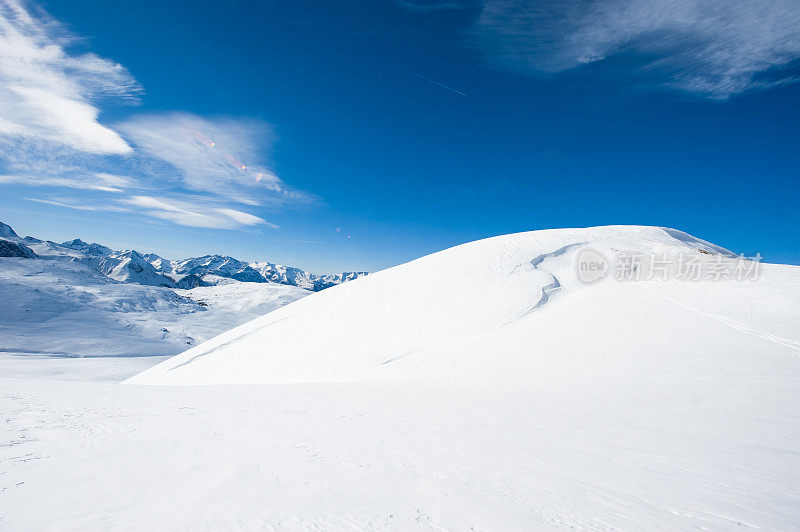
[507, 309]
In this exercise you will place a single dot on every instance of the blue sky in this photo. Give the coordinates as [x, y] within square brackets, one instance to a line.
[356, 135]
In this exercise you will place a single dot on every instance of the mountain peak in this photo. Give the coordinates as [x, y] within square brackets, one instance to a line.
[76, 243]
[6, 231]
[94, 249]
[151, 269]
[10, 248]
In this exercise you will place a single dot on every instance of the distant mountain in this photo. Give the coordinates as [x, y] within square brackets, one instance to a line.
[277, 273]
[6, 231]
[9, 248]
[84, 299]
[220, 266]
[190, 281]
[126, 266]
[64, 307]
[215, 269]
[95, 250]
[130, 266]
[159, 263]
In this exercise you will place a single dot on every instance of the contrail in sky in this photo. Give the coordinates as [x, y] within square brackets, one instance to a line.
[429, 80]
[415, 74]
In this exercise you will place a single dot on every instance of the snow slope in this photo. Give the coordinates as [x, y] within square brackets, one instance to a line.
[59, 308]
[480, 388]
[712, 452]
[254, 299]
[503, 309]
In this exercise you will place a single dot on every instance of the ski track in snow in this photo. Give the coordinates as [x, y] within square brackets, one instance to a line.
[400, 357]
[211, 349]
[737, 325]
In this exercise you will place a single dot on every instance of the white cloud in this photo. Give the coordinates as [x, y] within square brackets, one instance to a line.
[79, 204]
[243, 217]
[114, 180]
[195, 213]
[716, 48]
[223, 156]
[46, 91]
[50, 136]
[97, 181]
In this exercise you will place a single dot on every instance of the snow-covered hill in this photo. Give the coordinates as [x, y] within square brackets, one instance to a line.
[67, 308]
[498, 385]
[77, 299]
[502, 309]
[509, 384]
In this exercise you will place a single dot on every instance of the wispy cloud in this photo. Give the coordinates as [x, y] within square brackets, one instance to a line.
[47, 92]
[192, 212]
[223, 156]
[196, 214]
[79, 204]
[96, 181]
[176, 167]
[715, 48]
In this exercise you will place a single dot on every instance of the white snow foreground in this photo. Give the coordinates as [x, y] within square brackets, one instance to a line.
[507, 309]
[480, 388]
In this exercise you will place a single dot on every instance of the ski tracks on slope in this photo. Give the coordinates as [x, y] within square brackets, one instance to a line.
[227, 343]
[737, 325]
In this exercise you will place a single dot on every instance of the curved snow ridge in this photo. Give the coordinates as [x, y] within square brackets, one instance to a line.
[555, 284]
[439, 302]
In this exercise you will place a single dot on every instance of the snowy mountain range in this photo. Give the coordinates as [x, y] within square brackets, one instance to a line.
[130, 266]
[77, 299]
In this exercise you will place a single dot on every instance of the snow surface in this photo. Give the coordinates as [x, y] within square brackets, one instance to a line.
[55, 309]
[498, 310]
[480, 388]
